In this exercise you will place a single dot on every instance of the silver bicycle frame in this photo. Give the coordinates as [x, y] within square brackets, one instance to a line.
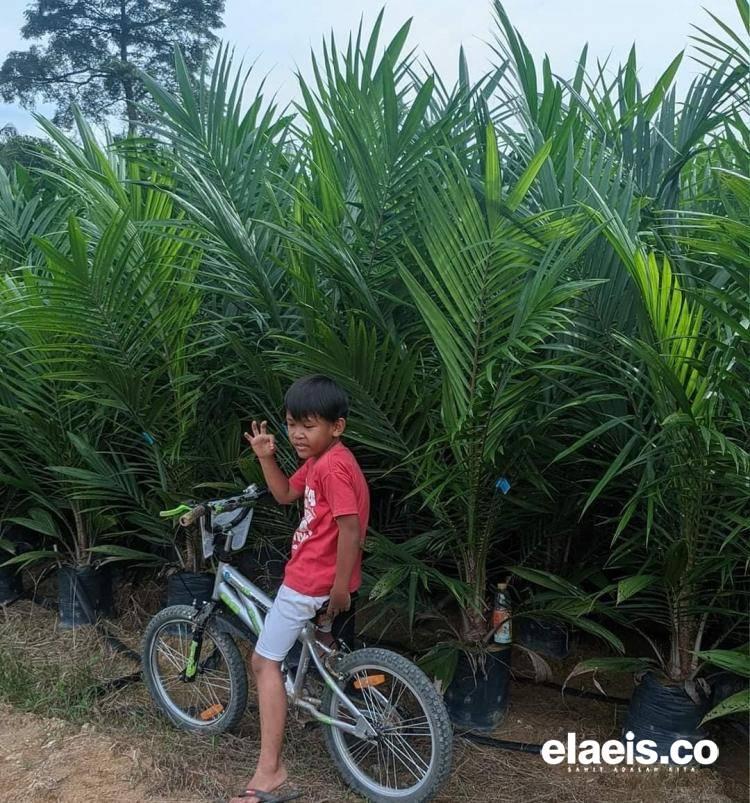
[251, 604]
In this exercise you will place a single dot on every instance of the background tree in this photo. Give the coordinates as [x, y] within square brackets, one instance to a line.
[89, 53]
[23, 149]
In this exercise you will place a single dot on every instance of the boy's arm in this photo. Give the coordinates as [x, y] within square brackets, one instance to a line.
[347, 554]
[264, 446]
[277, 482]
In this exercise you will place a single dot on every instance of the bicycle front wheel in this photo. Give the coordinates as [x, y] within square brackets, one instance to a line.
[411, 755]
[214, 699]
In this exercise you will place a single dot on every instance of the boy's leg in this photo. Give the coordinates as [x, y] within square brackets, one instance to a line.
[270, 772]
[281, 629]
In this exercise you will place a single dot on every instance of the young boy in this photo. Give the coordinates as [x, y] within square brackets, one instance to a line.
[326, 555]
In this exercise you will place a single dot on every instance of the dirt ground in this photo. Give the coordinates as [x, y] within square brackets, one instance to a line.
[45, 759]
[119, 750]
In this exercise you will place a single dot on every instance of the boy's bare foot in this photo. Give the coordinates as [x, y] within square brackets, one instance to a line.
[263, 782]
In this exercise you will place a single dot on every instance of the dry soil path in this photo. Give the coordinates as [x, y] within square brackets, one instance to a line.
[51, 761]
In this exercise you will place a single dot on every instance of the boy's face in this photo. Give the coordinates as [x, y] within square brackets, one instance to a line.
[312, 435]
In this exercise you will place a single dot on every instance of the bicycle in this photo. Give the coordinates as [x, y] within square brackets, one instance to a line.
[385, 725]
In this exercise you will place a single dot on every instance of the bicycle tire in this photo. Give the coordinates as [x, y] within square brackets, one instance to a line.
[233, 712]
[430, 701]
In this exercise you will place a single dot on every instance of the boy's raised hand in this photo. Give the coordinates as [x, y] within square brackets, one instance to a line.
[263, 444]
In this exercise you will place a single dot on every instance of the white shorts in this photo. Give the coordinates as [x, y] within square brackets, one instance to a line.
[289, 613]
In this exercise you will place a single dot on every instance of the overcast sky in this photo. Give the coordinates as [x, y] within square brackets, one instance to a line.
[280, 33]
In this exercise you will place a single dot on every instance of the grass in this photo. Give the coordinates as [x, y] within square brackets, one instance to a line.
[48, 687]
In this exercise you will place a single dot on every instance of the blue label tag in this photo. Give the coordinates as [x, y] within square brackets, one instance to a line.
[503, 485]
[149, 438]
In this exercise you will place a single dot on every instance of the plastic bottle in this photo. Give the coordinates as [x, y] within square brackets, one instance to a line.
[501, 614]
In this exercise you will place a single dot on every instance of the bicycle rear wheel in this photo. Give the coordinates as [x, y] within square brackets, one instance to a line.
[214, 700]
[411, 756]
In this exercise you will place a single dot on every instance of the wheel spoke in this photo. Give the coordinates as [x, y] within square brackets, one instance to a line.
[214, 676]
[198, 695]
[175, 681]
[211, 693]
[384, 757]
[412, 722]
[400, 695]
[171, 654]
[417, 726]
[366, 698]
[408, 751]
[406, 760]
[219, 688]
[408, 734]
[179, 636]
[362, 750]
[395, 766]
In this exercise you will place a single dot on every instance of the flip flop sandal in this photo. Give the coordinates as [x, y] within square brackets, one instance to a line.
[271, 797]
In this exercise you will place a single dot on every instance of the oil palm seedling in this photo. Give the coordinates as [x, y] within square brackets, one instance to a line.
[681, 466]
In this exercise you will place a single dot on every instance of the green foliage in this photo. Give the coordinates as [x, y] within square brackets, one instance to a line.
[526, 277]
[738, 703]
[735, 661]
[21, 149]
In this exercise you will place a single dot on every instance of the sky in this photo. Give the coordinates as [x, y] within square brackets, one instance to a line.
[279, 34]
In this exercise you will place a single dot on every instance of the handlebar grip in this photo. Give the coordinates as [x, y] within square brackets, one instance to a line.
[188, 518]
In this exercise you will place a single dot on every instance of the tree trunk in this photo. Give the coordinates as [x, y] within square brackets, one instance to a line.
[684, 631]
[130, 107]
[685, 622]
[473, 619]
[82, 555]
[131, 111]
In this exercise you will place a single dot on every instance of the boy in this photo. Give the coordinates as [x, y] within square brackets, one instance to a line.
[326, 555]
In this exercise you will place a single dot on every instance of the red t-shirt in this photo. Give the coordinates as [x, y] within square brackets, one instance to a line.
[333, 485]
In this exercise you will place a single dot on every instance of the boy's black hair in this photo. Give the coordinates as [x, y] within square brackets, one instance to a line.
[316, 395]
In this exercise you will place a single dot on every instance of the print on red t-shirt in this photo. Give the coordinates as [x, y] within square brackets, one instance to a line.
[333, 485]
[303, 531]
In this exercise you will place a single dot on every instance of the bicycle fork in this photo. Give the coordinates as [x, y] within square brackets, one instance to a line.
[196, 642]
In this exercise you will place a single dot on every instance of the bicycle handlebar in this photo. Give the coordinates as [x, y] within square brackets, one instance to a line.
[190, 515]
[188, 518]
